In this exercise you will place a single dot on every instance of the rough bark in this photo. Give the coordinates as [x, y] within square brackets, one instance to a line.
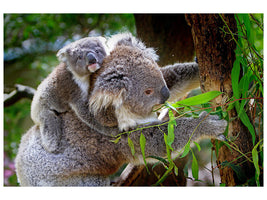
[138, 175]
[215, 54]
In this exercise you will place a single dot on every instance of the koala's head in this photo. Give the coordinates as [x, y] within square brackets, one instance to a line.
[84, 56]
[132, 84]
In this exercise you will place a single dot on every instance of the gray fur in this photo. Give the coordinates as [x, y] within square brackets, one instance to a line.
[180, 77]
[66, 88]
[120, 98]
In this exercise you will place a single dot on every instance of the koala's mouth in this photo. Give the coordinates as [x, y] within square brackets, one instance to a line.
[93, 67]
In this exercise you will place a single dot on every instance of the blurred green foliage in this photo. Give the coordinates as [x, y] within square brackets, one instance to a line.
[30, 45]
[49, 27]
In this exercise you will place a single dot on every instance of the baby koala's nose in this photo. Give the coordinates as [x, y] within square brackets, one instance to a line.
[91, 58]
[165, 94]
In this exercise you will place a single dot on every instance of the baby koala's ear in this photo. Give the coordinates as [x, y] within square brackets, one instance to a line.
[63, 53]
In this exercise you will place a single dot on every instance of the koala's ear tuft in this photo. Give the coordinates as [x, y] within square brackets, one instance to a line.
[104, 43]
[127, 39]
[151, 54]
[62, 54]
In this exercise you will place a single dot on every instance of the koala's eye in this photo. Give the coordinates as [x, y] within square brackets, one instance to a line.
[96, 51]
[149, 92]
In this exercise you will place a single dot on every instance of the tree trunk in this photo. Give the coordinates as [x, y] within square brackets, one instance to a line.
[169, 34]
[215, 53]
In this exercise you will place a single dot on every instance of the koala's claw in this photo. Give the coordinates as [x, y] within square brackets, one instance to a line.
[221, 137]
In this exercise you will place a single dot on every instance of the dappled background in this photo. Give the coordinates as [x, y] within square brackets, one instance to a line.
[32, 40]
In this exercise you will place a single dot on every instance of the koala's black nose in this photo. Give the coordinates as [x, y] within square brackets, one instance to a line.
[165, 94]
[91, 58]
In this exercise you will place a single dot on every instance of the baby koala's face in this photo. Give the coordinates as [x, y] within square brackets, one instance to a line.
[84, 56]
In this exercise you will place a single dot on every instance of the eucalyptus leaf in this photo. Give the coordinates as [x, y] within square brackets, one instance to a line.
[186, 150]
[165, 175]
[235, 78]
[255, 159]
[171, 124]
[159, 158]
[142, 146]
[197, 100]
[194, 166]
[131, 145]
[198, 146]
[116, 140]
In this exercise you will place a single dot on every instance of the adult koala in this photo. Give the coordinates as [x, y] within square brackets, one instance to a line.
[123, 93]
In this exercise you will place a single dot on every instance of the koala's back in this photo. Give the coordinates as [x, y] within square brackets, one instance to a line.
[83, 151]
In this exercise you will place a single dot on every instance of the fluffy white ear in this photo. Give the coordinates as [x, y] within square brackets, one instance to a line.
[151, 53]
[62, 54]
[128, 39]
[104, 43]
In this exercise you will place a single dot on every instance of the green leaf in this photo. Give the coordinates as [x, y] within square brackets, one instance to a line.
[249, 30]
[194, 167]
[159, 158]
[243, 87]
[230, 106]
[219, 144]
[167, 148]
[165, 175]
[142, 145]
[199, 99]
[131, 145]
[245, 120]
[116, 140]
[186, 150]
[198, 146]
[171, 125]
[168, 105]
[255, 158]
[235, 78]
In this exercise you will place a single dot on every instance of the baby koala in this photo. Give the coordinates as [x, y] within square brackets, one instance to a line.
[67, 88]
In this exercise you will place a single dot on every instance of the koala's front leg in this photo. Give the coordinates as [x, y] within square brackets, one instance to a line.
[180, 79]
[205, 125]
[51, 130]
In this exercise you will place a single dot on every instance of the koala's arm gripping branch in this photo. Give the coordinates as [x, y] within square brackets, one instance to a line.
[187, 128]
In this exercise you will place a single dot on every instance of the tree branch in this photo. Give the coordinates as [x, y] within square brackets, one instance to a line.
[20, 92]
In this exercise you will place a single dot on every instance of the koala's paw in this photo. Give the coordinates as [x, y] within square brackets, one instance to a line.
[211, 124]
[50, 140]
